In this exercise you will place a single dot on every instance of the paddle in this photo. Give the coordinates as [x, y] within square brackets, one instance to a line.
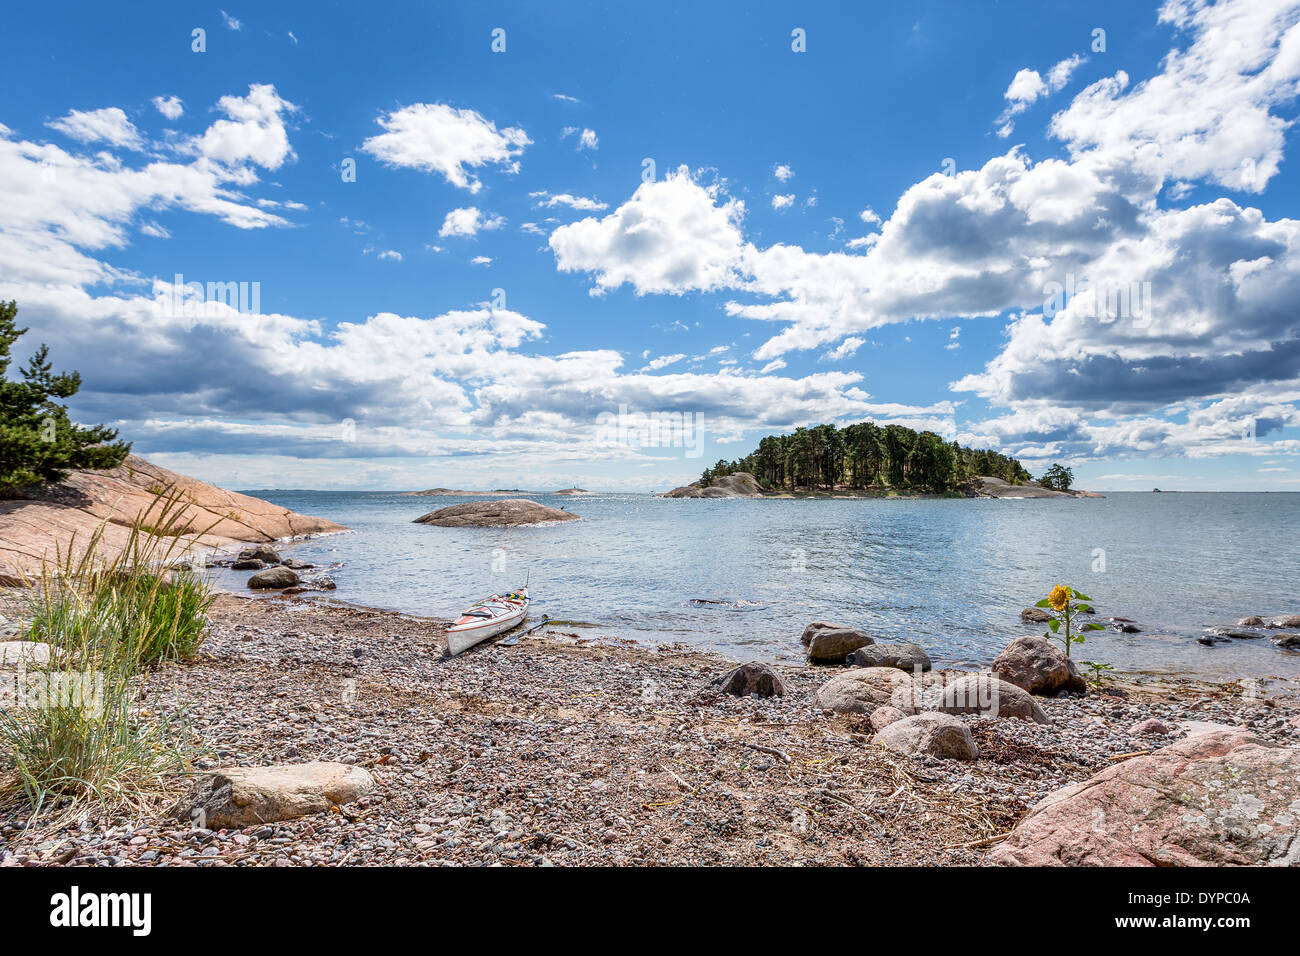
[513, 639]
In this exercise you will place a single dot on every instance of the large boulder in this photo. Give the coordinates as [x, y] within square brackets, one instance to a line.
[906, 657]
[246, 796]
[1038, 666]
[983, 694]
[751, 678]
[273, 579]
[1214, 799]
[813, 628]
[507, 513]
[262, 552]
[831, 645]
[860, 691]
[935, 735]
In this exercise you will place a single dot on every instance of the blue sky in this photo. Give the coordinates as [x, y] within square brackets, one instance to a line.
[868, 228]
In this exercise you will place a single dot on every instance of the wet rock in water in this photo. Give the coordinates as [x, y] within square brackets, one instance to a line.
[1210, 640]
[1152, 726]
[247, 564]
[507, 513]
[26, 652]
[1252, 621]
[831, 645]
[273, 578]
[1290, 642]
[1233, 632]
[906, 657]
[1035, 615]
[860, 691]
[322, 583]
[983, 694]
[1286, 620]
[753, 677]
[1123, 625]
[297, 565]
[1038, 666]
[885, 715]
[239, 797]
[814, 627]
[261, 552]
[1216, 799]
[935, 735]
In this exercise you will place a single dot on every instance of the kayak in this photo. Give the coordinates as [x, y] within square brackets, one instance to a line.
[487, 618]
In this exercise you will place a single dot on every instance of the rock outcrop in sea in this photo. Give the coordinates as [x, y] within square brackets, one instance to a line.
[494, 514]
[740, 485]
[984, 486]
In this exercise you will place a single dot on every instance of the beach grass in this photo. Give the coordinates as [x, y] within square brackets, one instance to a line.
[80, 733]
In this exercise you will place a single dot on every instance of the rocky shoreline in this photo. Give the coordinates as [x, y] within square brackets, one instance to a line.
[567, 750]
[744, 485]
[46, 520]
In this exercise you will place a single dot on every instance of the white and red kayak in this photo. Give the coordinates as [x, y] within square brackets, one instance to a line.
[487, 618]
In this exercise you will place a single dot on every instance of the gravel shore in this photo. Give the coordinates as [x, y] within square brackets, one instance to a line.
[570, 750]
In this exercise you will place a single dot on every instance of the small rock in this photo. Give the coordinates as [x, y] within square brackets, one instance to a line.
[983, 694]
[261, 552]
[861, 690]
[247, 564]
[1035, 615]
[906, 657]
[1289, 641]
[1233, 632]
[936, 735]
[1286, 620]
[754, 678]
[1152, 726]
[239, 797]
[831, 645]
[273, 578]
[885, 715]
[814, 627]
[1252, 621]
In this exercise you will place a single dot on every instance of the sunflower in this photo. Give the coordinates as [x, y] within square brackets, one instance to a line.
[1059, 597]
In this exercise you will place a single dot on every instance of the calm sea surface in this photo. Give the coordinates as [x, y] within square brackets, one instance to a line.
[951, 575]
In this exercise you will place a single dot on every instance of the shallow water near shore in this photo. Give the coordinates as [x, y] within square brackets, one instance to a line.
[744, 576]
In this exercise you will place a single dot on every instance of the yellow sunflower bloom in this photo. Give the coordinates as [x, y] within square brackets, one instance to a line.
[1059, 597]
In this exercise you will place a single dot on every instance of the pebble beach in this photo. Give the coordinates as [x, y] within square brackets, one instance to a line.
[568, 749]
